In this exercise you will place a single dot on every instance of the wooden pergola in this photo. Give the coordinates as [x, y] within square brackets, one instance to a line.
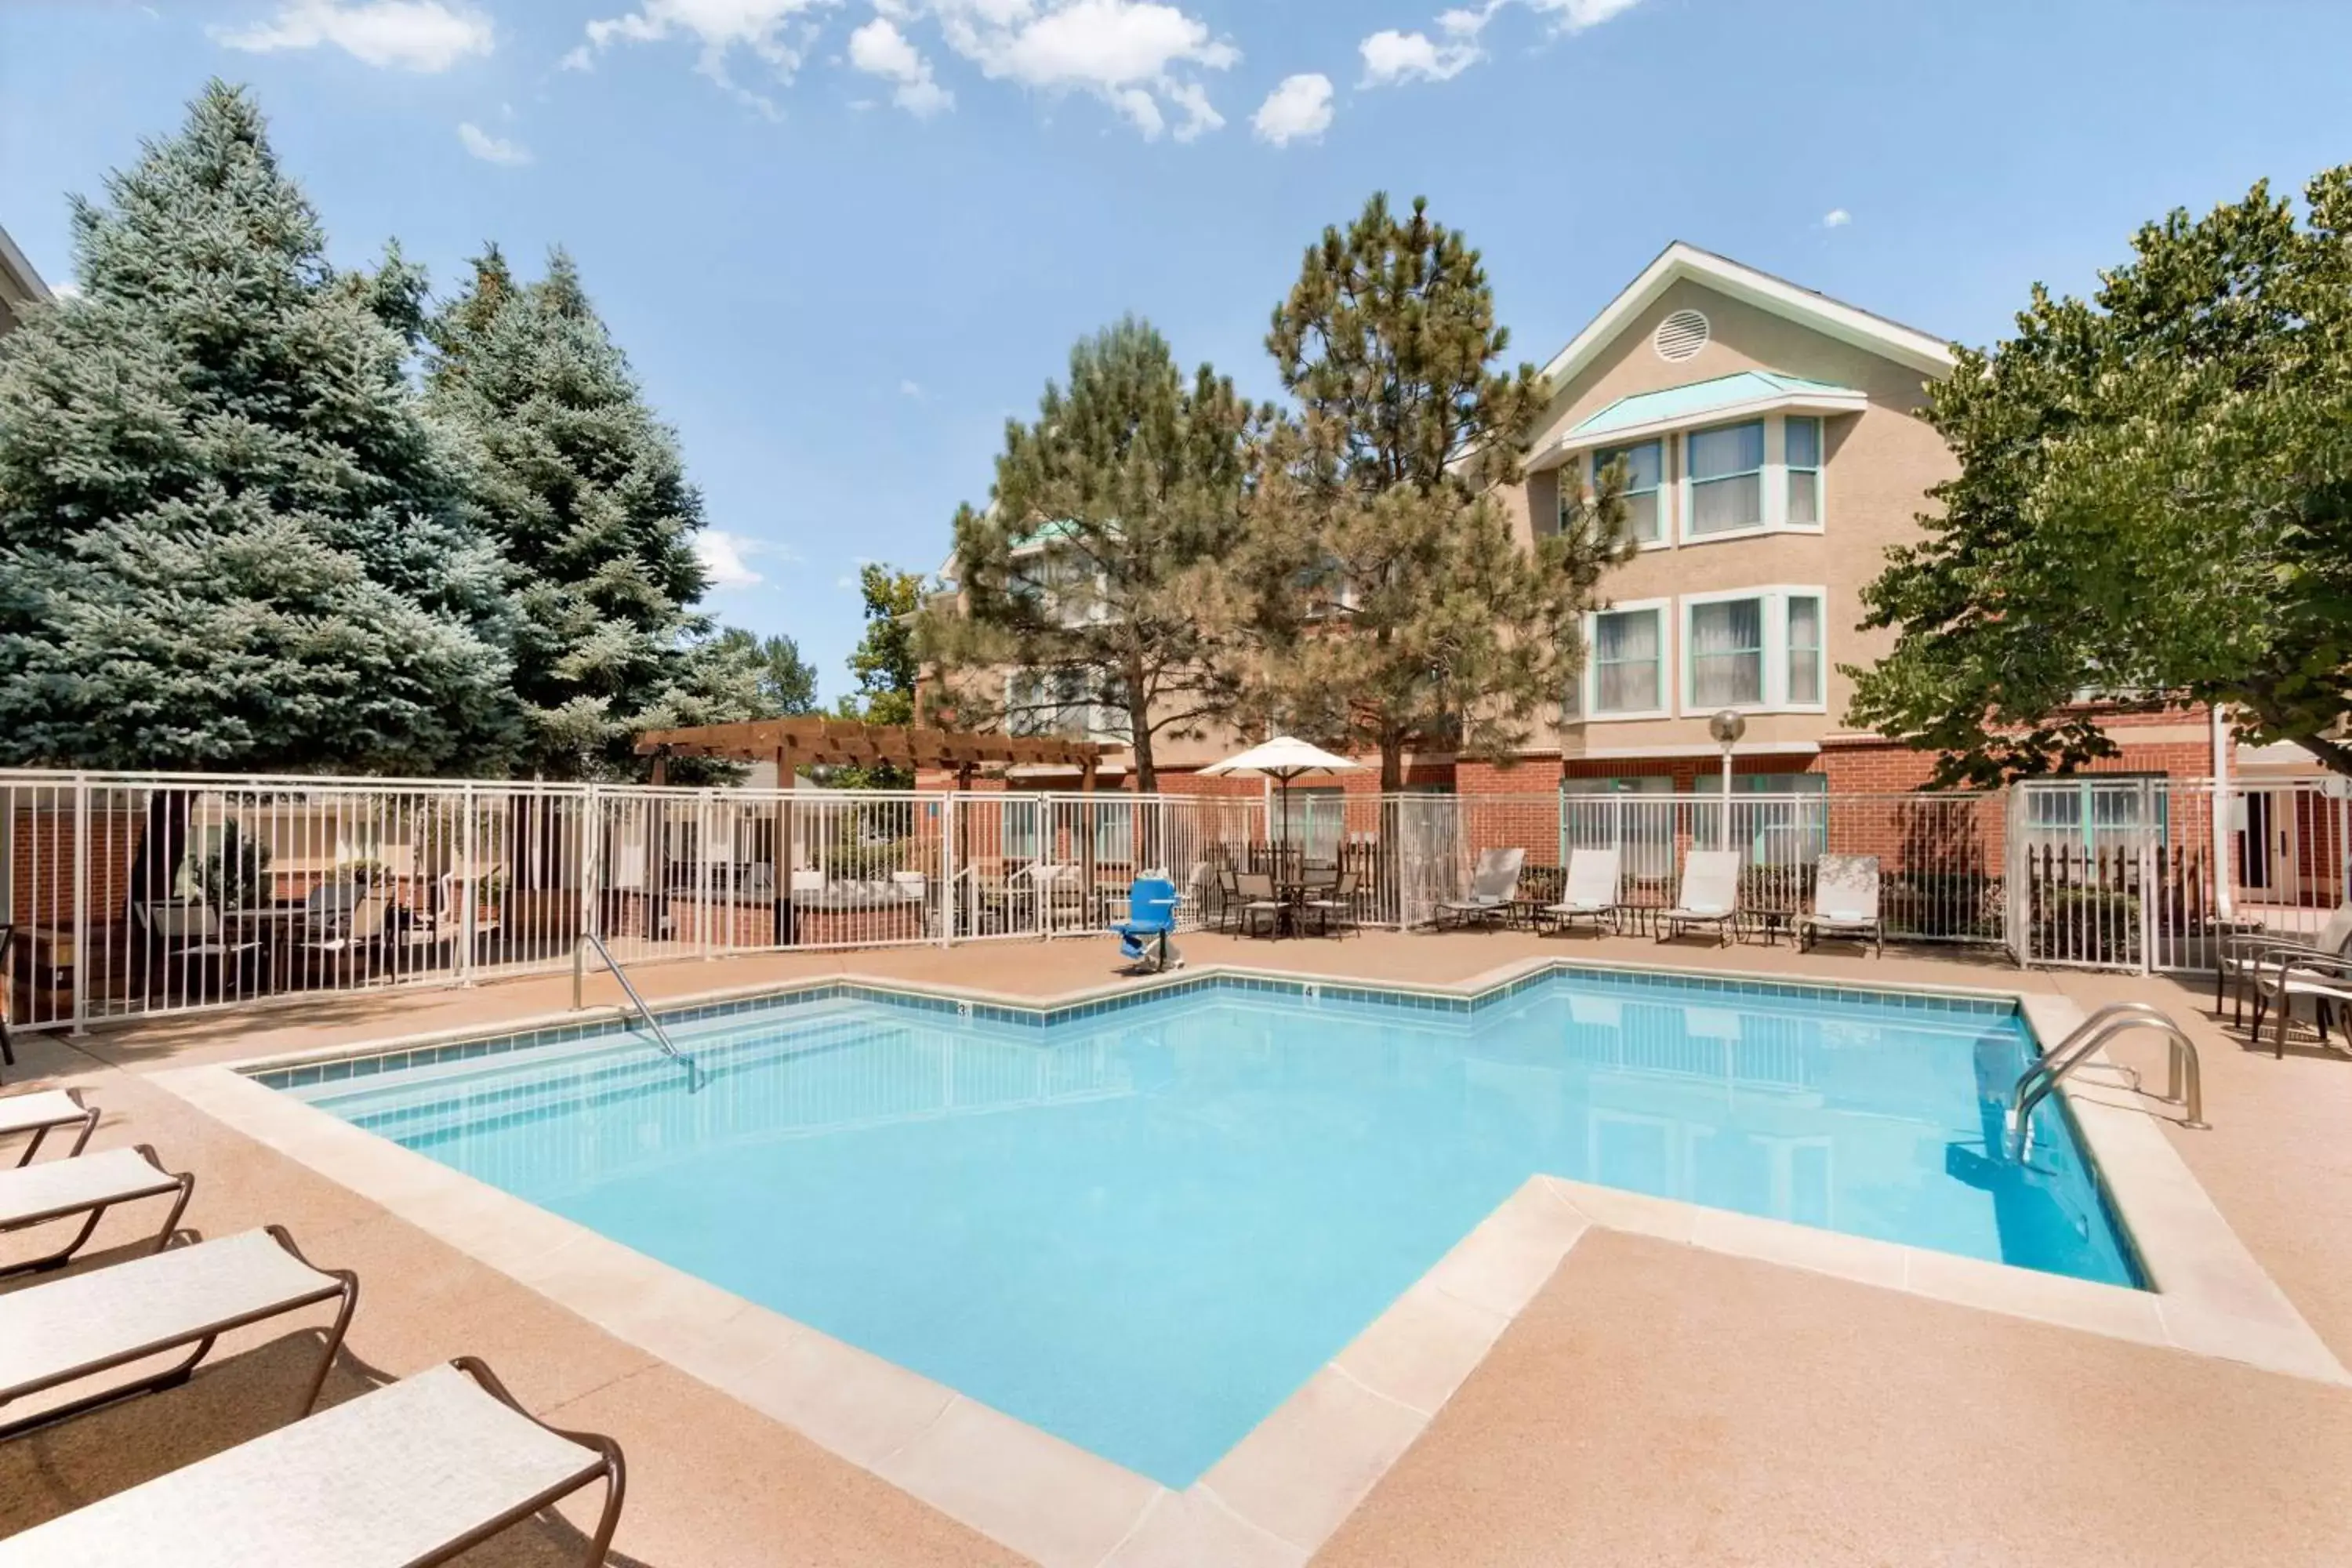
[795, 743]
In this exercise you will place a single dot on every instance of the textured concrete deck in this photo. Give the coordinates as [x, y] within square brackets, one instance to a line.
[1656, 1403]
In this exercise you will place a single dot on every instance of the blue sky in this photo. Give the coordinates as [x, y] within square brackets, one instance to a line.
[843, 239]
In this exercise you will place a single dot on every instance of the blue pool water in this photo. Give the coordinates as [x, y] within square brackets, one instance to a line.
[1142, 1229]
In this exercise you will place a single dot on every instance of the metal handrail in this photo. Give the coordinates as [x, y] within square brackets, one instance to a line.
[2185, 1088]
[580, 979]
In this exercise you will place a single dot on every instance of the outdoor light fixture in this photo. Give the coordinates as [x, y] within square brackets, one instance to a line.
[1726, 727]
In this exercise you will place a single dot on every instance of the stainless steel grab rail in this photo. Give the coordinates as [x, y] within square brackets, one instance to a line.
[580, 981]
[2186, 1087]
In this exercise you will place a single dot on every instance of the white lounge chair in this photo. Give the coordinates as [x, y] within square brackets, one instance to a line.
[413, 1473]
[2239, 959]
[1591, 892]
[60, 1189]
[58, 1333]
[1493, 884]
[1846, 902]
[1709, 895]
[41, 1114]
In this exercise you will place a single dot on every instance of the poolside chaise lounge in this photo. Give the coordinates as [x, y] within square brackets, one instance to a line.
[1591, 892]
[2240, 959]
[43, 1112]
[1494, 883]
[1846, 902]
[67, 1329]
[61, 1189]
[413, 1473]
[1709, 895]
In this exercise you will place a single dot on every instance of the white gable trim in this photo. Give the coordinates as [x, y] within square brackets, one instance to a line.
[1928, 355]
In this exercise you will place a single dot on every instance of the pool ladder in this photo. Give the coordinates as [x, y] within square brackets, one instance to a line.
[2186, 1089]
[580, 979]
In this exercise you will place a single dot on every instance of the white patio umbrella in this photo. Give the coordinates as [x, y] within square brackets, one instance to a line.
[1282, 759]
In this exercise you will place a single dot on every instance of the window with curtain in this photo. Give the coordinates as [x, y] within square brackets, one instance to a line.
[1645, 470]
[1804, 648]
[1115, 831]
[1019, 833]
[1804, 460]
[1726, 653]
[1628, 661]
[1727, 475]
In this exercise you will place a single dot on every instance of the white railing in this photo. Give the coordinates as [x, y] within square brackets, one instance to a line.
[131, 894]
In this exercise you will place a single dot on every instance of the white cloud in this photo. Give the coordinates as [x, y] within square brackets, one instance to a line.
[64, 290]
[1299, 106]
[911, 389]
[491, 149]
[879, 49]
[725, 558]
[1575, 16]
[1391, 56]
[776, 32]
[1836, 218]
[413, 34]
[1140, 57]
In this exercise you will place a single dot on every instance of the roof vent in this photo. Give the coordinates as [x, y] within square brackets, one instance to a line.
[1680, 336]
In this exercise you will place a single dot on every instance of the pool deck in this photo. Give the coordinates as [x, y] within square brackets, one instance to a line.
[1653, 1401]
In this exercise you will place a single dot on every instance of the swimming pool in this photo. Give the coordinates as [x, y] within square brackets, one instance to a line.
[1141, 1226]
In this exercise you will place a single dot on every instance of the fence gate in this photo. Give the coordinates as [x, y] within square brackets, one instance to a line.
[2093, 883]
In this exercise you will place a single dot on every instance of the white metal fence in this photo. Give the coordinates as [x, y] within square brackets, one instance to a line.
[131, 894]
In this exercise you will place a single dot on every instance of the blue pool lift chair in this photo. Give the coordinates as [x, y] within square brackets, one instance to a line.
[1147, 937]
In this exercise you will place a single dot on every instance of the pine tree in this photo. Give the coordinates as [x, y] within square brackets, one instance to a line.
[228, 537]
[584, 491]
[1399, 612]
[1096, 571]
[786, 681]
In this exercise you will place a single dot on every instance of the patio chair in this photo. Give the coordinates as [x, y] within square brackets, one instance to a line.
[1591, 892]
[41, 1114]
[185, 940]
[1709, 895]
[2326, 982]
[1147, 937]
[333, 938]
[1334, 909]
[61, 1189]
[1846, 902]
[1493, 884]
[69, 1329]
[1254, 896]
[416, 1472]
[2239, 958]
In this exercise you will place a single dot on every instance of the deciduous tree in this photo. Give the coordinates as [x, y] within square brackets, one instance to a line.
[2154, 498]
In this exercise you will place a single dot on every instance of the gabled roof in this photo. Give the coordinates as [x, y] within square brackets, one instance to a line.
[18, 282]
[1702, 399]
[1906, 345]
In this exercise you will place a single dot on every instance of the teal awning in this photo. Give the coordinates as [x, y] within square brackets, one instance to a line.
[1678, 404]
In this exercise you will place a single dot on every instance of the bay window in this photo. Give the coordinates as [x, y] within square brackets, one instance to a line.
[1727, 478]
[1760, 648]
[1726, 653]
[1629, 661]
[1645, 473]
[1804, 648]
[1802, 449]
